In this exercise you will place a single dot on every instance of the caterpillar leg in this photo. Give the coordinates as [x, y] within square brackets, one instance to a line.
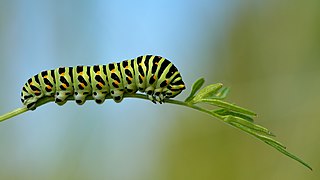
[149, 90]
[155, 95]
[80, 97]
[159, 96]
[31, 104]
[99, 96]
[61, 97]
[117, 95]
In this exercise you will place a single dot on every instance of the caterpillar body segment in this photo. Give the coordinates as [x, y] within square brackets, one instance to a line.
[100, 87]
[153, 75]
[64, 84]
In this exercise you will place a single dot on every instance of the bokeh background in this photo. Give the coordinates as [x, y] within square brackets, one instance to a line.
[266, 51]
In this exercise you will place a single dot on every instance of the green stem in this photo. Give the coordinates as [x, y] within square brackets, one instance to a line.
[45, 100]
[13, 113]
[252, 129]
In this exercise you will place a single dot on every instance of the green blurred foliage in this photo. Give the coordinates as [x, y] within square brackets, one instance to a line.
[269, 57]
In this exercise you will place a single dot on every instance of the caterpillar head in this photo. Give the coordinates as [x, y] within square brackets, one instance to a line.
[175, 87]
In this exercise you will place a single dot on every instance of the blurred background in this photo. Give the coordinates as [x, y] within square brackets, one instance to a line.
[267, 52]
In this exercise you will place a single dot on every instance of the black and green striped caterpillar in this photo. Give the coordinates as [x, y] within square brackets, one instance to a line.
[154, 75]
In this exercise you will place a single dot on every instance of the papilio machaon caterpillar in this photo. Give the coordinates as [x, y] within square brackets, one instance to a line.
[154, 75]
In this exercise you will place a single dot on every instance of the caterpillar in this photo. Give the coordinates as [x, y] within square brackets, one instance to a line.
[154, 75]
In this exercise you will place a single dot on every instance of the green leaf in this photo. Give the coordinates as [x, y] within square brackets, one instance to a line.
[222, 94]
[226, 112]
[195, 87]
[273, 143]
[254, 127]
[228, 106]
[268, 140]
[206, 92]
[283, 151]
[257, 134]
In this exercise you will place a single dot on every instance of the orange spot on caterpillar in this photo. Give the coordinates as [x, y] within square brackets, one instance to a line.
[113, 70]
[100, 84]
[64, 85]
[62, 74]
[80, 73]
[98, 73]
[49, 87]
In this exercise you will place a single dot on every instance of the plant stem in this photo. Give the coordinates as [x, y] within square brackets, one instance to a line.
[13, 113]
[45, 100]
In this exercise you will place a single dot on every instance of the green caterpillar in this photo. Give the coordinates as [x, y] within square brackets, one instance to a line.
[154, 75]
